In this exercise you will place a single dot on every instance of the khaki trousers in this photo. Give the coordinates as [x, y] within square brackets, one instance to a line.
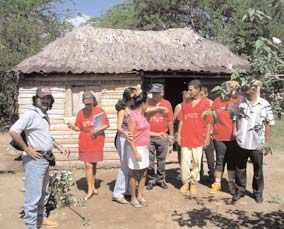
[190, 164]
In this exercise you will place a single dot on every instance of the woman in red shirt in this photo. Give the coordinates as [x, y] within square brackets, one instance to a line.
[224, 141]
[91, 121]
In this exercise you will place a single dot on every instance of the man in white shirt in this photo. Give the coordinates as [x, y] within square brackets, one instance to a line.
[37, 149]
[253, 121]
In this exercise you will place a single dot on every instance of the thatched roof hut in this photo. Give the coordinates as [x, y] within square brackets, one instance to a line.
[96, 50]
[108, 60]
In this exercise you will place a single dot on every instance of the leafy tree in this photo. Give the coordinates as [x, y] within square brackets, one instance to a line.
[121, 16]
[221, 20]
[25, 27]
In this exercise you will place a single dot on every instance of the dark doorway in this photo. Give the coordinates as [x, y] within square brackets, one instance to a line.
[174, 88]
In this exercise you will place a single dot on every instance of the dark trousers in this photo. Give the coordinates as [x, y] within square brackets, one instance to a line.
[256, 158]
[209, 153]
[226, 152]
[158, 152]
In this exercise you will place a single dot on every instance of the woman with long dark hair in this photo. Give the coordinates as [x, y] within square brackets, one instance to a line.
[124, 107]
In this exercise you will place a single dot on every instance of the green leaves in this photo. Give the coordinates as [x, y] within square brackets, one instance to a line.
[25, 27]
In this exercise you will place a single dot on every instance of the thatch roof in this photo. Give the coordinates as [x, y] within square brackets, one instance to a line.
[98, 50]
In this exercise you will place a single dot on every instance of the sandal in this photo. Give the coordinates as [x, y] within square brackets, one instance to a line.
[121, 200]
[143, 202]
[135, 204]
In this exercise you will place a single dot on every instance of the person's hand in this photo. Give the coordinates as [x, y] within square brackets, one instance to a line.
[266, 150]
[138, 157]
[33, 153]
[206, 142]
[179, 140]
[163, 110]
[171, 140]
[162, 135]
[70, 125]
[96, 132]
[129, 136]
[65, 151]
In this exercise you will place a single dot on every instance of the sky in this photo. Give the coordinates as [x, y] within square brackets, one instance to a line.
[86, 8]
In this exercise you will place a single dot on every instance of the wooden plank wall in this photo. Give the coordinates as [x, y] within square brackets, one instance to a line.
[111, 91]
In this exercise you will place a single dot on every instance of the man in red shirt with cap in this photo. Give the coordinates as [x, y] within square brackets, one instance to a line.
[160, 117]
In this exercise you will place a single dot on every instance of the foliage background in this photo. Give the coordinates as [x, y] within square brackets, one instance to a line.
[245, 26]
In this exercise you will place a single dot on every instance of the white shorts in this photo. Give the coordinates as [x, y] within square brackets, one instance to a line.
[144, 152]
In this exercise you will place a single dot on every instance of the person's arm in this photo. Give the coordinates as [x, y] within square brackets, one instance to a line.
[131, 129]
[268, 133]
[20, 141]
[179, 132]
[76, 126]
[171, 132]
[208, 133]
[158, 134]
[60, 148]
[177, 110]
[152, 110]
[99, 130]
[120, 117]
[73, 127]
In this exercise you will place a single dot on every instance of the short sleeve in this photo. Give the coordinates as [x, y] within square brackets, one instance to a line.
[23, 122]
[78, 121]
[170, 114]
[269, 115]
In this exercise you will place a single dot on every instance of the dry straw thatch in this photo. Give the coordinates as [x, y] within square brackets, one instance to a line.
[98, 50]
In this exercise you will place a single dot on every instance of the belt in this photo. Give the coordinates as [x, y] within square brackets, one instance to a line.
[45, 152]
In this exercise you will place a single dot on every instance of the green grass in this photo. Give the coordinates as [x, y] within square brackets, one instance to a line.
[277, 139]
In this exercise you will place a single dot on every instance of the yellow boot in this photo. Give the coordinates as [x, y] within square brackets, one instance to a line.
[49, 223]
[193, 189]
[184, 188]
[215, 188]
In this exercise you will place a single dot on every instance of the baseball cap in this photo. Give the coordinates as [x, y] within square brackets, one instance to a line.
[88, 97]
[43, 91]
[156, 88]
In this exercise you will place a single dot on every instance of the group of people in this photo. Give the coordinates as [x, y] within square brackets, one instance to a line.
[235, 125]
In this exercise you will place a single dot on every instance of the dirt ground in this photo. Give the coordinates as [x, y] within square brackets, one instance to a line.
[167, 208]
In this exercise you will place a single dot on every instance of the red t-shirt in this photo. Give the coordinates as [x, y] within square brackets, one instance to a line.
[87, 143]
[223, 124]
[159, 121]
[193, 131]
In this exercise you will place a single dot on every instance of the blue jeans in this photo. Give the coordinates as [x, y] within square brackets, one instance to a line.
[36, 190]
[122, 180]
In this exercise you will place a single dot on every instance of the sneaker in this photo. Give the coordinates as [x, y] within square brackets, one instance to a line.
[193, 189]
[184, 188]
[215, 188]
[49, 223]
[232, 187]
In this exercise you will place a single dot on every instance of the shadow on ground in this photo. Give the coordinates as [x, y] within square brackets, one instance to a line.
[82, 184]
[239, 219]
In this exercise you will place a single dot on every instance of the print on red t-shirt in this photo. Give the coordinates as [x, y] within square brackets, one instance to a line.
[193, 131]
[87, 143]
